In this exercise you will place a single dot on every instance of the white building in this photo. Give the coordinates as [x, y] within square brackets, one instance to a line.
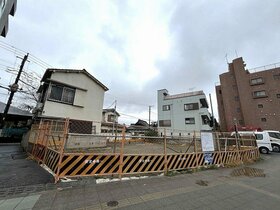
[182, 114]
[110, 121]
[74, 94]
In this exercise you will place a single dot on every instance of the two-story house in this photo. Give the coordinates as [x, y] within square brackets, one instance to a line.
[110, 121]
[182, 113]
[74, 94]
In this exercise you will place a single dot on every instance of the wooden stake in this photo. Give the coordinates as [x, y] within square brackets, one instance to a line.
[121, 153]
[195, 149]
[165, 153]
[46, 142]
[219, 148]
[65, 135]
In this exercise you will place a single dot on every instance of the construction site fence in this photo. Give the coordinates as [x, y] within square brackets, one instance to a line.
[71, 154]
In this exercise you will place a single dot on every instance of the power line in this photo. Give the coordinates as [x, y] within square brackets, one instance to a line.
[20, 52]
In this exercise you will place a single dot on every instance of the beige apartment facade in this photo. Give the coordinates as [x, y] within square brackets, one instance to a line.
[249, 99]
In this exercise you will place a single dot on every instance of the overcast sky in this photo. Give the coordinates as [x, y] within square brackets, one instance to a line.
[138, 47]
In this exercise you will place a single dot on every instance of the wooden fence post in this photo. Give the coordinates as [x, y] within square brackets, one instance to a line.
[121, 153]
[65, 134]
[219, 149]
[36, 138]
[46, 142]
[165, 153]
[238, 150]
[195, 149]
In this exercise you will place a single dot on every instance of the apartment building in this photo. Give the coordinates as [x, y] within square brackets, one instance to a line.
[249, 99]
[182, 114]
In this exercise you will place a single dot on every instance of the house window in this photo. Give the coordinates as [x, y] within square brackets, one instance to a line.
[238, 109]
[236, 98]
[111, 118]
[257, 81]
[278, 95]
[190, 120]
[259, 94]
[165, 107]
[205, 119]
[192, 106]
[62, 94]
[263, 119]
[260, 106]
[165, 123]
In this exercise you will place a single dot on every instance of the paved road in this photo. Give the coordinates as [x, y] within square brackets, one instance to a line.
[210, 189]
[18, 174]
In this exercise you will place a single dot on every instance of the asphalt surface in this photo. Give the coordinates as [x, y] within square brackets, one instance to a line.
[254, 186]
[18, 173]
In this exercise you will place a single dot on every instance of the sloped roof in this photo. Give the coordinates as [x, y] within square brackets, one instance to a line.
[110, 110]
[13, 110]
[48, 73]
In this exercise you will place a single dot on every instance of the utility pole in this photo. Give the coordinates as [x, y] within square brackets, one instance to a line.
[149, 116]
[13, 89]
[213, 119]
[115, 138]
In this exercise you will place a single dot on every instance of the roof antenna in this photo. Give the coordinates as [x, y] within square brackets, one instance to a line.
[236, 54]
[226, 58]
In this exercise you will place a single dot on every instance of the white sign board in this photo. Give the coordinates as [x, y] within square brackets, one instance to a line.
[207, 143]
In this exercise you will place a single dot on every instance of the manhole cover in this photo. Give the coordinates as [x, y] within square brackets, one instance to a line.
[202, 183]
[247, 171]
[112, 203]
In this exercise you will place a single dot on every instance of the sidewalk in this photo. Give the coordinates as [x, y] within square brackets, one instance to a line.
[210, 189]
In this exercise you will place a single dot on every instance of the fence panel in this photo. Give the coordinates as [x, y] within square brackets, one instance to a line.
[70, 155]
[88, 164]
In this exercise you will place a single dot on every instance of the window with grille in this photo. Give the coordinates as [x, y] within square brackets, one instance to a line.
[62, 94]
[192, 106]
[257, 81]
[190, 120]
[165, 107]
[259, 94]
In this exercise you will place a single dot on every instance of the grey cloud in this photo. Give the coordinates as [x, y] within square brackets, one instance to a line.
[201, 34]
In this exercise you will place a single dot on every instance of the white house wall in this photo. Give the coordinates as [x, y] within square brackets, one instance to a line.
[177, 114]
[87, 104]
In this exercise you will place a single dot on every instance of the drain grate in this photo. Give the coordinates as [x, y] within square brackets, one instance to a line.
[247, 171]
[112, 203]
